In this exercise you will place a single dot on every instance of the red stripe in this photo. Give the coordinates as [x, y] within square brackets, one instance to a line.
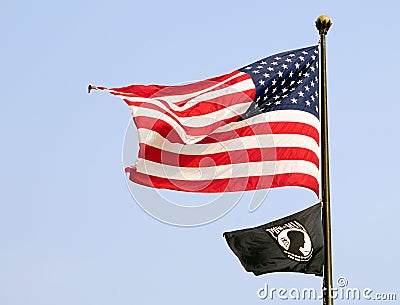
[227, 185]
[250, 94]
[201, 108]
[169, 133]
[162, 127]
[145, 91]
[160, 91]
[264, 129]
[230, 157]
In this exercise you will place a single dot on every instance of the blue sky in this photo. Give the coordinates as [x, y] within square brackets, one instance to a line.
[70, 232]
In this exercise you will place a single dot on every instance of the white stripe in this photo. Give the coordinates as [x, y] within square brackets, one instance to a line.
[297, 116]
[266, 168]
[154, 139]
[199, 121]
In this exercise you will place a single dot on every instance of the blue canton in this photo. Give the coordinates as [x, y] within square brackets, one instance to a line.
[287, 80]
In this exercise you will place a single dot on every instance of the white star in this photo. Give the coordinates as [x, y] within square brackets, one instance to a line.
[301, 94]
[312, 84]
[280, 73]
[274, 63]
[260, 67]
[276, 97]
[316, 93]
[284, 96]
[307, 88]
[294, 101]
[266, 75]
[297, 65]
[277, 102]
[313, 57]
[248, 68]
[304, 52]
[265, 98]
[263, 62]
[306, 74]
[288, 59]
[307, 65]
[316, 51]
[299, 81]
[274, 90]
[284, 90]
[284, 66]
[266, 90]
[300, 73]
[308, 103]
[278, 58]
[274, 82]
[301, 58]
[312, 69]
[316, 79]
[261, 82]
[270, 69]
[316, 64]
[258, 99]
[313, 98]
[283, 82]
[316, 108]
[292, 83]
[292, 55]
[256, 71]
[291, 74]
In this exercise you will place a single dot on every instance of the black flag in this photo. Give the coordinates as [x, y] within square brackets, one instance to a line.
[291, 244]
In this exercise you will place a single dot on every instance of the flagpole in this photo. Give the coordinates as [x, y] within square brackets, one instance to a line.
[323, 23]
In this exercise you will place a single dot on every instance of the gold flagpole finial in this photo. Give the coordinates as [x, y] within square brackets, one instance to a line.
[323, 23]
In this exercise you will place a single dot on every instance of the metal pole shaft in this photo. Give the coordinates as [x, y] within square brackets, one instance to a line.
[323, 24]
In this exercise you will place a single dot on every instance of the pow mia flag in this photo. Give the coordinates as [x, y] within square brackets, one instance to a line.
[291, 244]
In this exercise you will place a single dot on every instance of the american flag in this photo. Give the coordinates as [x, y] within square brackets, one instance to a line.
[255, 128]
